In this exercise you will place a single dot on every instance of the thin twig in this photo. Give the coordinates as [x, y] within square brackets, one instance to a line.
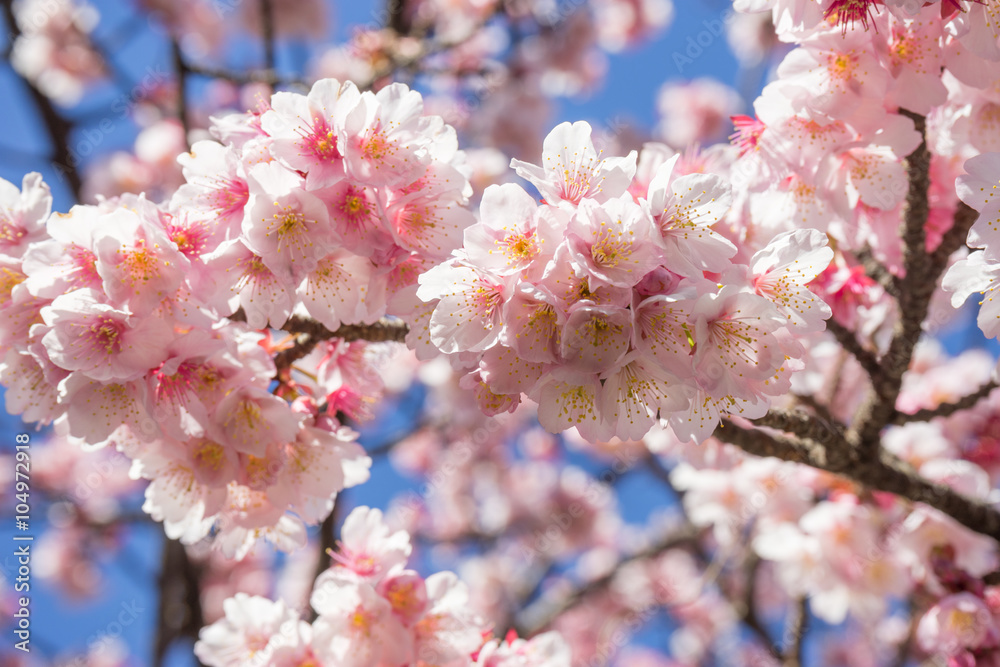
[903, 652]
[877, 271]
[254, 76]
[847, 340]
[747, 608]
[946, 409]
[57, 127]
[542, 613]
[327, 543]
[796, 626]
[180, 66]
[743, 606]
[267, 32]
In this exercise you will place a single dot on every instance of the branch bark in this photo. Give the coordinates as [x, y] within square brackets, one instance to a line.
[877, 272]
[179, 612]
[849, 341]
[884, 472]
[384, 331]
[915, 293]
[793, 638]
[327, 542]
[946, 409]
[180, 66]
[267, 33]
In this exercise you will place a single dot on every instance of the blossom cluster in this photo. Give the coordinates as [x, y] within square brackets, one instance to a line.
[866, 86]
[117, 321]
[614, 303]
[371, 610]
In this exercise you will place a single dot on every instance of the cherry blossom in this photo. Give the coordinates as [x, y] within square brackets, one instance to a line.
[747, 336]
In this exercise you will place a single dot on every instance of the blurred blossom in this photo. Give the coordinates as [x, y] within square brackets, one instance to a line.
[54, 50]
[751, 37]
[292, 18]
[199, 24]
[620, 23]
[696, 112]
[344, 63]
[152, 168]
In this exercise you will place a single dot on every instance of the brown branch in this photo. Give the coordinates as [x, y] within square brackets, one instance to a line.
[914, 299]
[796, 626]
[179, 612]
[955, 237]
[744, 606]
[877, 272]
[303, 345]
[327, 542]
[747, 608]
[383, 331]
[903, 652]
[545, 612]
[397, 21]
[267, 32]
[946, 409]
[57, 127]
[848, 341]
[182, 103]
[883, 472]
[821, 409]
[267, 76]
[804, 425]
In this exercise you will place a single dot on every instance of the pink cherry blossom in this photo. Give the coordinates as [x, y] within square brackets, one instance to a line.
[959, 621]
[102, 342]
[572, 169]
[307, 131]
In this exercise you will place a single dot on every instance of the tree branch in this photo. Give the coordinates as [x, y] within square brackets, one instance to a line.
[57, 127]
[804, 425]
[876, 271]
[182, 71]
[397, 20]
[267, 32]
[179, 612]
[327, 542]
[743, 606]
[747, 607]
[955, 237]
[796, 626]
[541, 614]
[914, 299]
[848, 341]
[883, 473]
[384, 331]
[946, 409]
